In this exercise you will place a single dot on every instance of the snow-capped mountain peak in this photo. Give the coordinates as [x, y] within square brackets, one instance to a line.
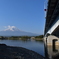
[11, 28]
[13, 31]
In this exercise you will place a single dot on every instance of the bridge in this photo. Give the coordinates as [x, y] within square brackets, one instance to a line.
[51, 33]
[52, 22]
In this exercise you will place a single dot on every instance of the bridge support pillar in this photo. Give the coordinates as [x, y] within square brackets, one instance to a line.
[51, 40]
[51, 46]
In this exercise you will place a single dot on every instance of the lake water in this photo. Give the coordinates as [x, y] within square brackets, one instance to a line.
[36, 46]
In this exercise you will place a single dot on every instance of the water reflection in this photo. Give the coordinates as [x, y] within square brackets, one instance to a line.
[38, 40]
[25, 40]
[52, 52]
[30, 44]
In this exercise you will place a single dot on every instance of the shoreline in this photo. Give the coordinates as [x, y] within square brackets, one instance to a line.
[12, 52]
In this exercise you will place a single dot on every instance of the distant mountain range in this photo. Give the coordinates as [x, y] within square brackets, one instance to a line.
[15, 32]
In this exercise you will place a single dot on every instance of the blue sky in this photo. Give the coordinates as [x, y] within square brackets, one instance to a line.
[27, 15]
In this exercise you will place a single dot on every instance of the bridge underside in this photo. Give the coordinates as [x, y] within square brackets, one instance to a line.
[56, 32]
[53, 34]
[52, 13]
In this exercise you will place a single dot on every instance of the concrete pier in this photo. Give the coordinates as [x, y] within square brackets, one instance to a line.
[51, 40]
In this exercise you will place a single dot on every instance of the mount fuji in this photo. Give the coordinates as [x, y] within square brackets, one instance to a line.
[13, 31]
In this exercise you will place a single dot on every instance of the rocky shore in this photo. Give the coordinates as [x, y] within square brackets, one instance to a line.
[9, 52]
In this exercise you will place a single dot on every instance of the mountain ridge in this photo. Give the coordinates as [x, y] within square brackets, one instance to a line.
[15, 32]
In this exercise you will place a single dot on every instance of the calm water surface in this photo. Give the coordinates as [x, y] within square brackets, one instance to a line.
[36, 46]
